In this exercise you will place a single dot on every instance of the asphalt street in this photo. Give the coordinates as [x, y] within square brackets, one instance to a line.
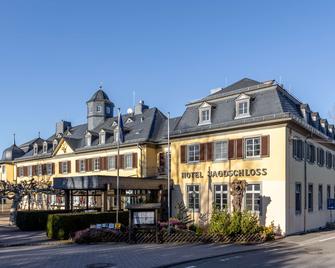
[311, 250]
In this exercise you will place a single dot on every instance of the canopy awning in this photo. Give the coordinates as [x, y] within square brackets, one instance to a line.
[101, 182]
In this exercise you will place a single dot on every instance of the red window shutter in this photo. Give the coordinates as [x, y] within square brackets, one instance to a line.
[209, 156]
[44, 169]
[231, 149]
[103, 163]
[121, 161]
[134, 160]
[239, 148]
[34, 170]
[68, 166]
[53, 168]
[25, 171]
[183, 153]
[202, 152]
[265, 145]
[77, 165]
[60, 168]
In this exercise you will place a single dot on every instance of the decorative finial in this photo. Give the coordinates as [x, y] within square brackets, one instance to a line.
[14, 139]
[100, 85]
[39, 134]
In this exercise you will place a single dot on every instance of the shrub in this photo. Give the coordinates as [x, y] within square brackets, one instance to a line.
[62, 226]
[34, 220]
[220, 222]
[249, 223]
[235, 224]
[269, 232]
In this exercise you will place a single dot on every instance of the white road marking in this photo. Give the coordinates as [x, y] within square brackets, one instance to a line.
[270, 250]
[326, 239]
[231, 258]
[190, 266]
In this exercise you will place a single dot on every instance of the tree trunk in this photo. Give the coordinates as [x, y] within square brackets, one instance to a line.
[13, 211]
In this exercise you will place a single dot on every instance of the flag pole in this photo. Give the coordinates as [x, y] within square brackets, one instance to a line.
[118, 170]
[169, 175]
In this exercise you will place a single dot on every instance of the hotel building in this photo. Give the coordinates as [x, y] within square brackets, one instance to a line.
[253, 131]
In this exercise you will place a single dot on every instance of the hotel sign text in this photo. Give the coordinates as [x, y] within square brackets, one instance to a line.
[226, 173]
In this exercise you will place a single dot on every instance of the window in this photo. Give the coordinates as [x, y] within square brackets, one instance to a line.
[112, 162]
[64, 167]
[3, 170]
[96, 164]
[329, 160]
[98, 108]
[108, 110]
[311, 153]
[334, 161]
[193, 153]
[30, 171]
[328, 192]
[102, 137]
[221, 196]
[35, 149]
[220, 150]
[82, 165]
[49, 169]
[320, 197]
[253, 147]
[253, 197]
[298, 198]
[242, 108]
[54, 145]
[39, 170]
[298, 150]
[128, 161]
[21, 173]
[321, 157]
[193, 195]
[310, 197]
[45, 147]
[88, 140]
[205, 116]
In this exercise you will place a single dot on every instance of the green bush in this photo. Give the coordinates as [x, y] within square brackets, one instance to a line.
[249, 223]
[235, 223]
[62, 226]
[34, 220]
[220, 222]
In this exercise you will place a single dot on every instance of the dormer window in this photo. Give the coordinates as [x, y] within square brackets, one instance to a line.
[35, 149]
[129, 120]
[45, 147]
[102, 137]
[99, 108]
[114, 124]
[242, 106]
[54, 145]
[205, 111]
[88, 139]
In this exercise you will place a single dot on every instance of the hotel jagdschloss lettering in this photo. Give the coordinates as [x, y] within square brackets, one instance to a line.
[250, 130]
[226, 173]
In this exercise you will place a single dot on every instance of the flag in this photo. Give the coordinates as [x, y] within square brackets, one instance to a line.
[120, 128]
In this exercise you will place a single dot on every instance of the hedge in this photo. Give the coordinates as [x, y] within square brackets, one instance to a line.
[34, 220]
[63, 226]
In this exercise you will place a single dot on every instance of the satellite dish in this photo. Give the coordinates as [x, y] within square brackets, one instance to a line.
[129, 111]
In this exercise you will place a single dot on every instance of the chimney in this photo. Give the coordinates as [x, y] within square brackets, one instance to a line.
[62, 126]
[140, 107]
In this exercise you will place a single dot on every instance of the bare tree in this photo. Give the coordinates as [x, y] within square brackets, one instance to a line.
[17, 192]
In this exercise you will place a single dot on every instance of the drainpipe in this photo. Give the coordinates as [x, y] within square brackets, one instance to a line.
[140, 147]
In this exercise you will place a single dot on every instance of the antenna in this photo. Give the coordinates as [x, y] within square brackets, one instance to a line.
[100, 84]
[39, 134]
[14, 139]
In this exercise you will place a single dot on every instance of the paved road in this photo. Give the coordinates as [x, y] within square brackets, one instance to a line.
[311, 250]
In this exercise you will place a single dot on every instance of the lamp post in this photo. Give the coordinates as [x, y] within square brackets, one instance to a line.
[193, 196]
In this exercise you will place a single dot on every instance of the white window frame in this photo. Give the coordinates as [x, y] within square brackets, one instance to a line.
[96, 164]
[102, 137]
[39, 170]
[253, 192]
[245, 101]
[195, 153]
[112, 160]
[35, 149]
[253, 145]
[223, 146]
[45, 147]
[82, 165]
[30, 171]
[221, 192]
[49, 169]
[128, 161]
[64, 167]
[189, 191]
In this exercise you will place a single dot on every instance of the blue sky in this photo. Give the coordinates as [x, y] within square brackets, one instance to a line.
[54, 54]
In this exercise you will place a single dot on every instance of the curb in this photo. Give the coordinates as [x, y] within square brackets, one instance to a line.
[36, 244]
[215, 256]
